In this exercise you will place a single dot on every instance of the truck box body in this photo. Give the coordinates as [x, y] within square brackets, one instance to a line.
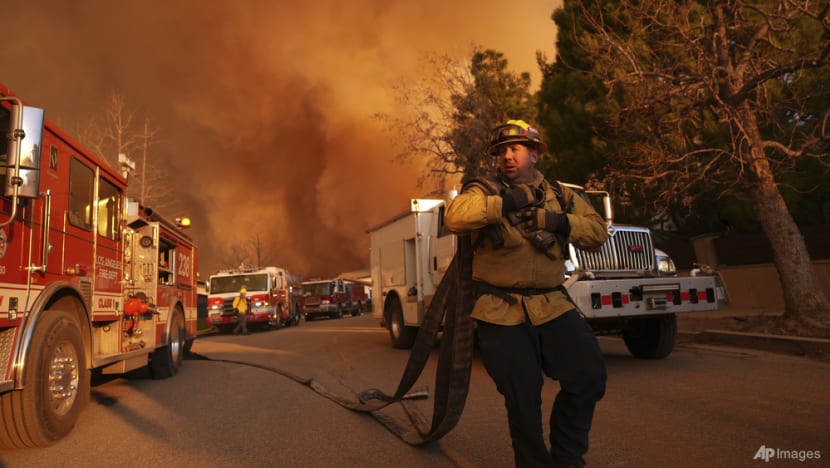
[626, 286]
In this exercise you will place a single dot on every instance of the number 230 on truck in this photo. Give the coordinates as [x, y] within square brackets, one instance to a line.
[88, 280]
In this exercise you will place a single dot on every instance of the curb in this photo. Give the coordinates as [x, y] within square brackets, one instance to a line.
[779, 344]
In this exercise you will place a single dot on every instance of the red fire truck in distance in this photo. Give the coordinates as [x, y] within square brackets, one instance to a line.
[274, 294]
[332, 298]
[87, 280]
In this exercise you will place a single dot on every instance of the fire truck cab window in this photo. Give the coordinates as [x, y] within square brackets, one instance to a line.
[166, 267]
[442, 231]
[81, 181]
[5, 123]
[109, 210]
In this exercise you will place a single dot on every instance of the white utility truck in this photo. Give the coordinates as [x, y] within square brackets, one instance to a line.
[626, 287]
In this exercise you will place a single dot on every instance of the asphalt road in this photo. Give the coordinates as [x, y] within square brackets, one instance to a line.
[702, 406]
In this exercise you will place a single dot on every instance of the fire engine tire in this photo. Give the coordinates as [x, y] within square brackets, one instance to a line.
[339, 312]
[56, 379]
[403, 337]
[295, 320]
[651, 337]
[278, 323]
[167, 360]
[357, 310]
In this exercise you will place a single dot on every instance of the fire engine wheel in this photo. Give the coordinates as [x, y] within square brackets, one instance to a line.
[357, 310]
[339, 312]
[403, 337]
[166, 361]
[651, 337]
[56, 385]
[278, 323]
[295, 320]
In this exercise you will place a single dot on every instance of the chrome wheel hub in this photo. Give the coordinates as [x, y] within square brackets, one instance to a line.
[63, 378]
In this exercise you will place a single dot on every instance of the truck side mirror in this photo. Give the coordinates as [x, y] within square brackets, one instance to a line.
[22, 164]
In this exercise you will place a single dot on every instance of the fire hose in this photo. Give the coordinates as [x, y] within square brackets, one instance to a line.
[451, 306]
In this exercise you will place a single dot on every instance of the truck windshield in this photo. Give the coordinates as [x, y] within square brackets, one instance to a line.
[316, 289]
[226, 284]
[5, 123]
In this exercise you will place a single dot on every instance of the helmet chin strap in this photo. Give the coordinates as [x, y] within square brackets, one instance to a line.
[502, 177]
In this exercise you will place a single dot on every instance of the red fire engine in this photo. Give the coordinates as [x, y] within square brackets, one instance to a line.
[332, 297]
[273, 292]
[87, 280]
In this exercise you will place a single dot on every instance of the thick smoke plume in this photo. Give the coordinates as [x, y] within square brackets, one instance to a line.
[264, 106]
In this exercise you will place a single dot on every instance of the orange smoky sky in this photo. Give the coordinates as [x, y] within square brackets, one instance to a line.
[264, 106]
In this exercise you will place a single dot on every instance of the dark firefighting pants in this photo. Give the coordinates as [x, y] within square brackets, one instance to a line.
[241, 324]
[566, 350]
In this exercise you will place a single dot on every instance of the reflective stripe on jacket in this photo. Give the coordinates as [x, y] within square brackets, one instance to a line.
[518, 264]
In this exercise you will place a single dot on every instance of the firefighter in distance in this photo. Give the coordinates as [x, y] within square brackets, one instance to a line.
[242, 306]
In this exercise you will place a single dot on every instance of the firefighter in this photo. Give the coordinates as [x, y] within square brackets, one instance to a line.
[520, 225]
[242, 306]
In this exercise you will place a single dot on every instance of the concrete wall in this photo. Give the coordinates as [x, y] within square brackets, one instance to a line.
[758, 286]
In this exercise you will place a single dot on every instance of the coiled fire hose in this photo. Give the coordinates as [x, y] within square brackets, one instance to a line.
[451, 306]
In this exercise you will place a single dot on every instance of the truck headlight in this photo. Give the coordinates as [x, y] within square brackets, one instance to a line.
[665, 265]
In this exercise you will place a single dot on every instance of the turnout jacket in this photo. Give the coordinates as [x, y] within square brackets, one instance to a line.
[241, 305]
[517, 264]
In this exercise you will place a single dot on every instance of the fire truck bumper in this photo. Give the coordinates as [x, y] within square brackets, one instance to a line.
[216, 319]
[648, 296]
[319, 311]
[258, 317]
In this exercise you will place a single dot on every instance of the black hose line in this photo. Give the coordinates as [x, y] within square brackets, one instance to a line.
[451, 306]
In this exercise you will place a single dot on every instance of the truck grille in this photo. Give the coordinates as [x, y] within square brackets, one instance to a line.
[227, 307]
[629, 249]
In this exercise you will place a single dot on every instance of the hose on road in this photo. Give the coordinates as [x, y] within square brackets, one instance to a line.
[451, 306]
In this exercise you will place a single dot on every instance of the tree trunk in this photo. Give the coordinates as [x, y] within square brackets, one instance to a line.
[804, 298]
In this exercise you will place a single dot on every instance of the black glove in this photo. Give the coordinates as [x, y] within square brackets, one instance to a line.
[534, 219]
[520, 196]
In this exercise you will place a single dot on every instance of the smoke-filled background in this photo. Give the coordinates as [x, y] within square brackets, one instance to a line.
[264, 106]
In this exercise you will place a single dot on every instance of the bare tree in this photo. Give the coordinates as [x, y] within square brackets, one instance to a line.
[237, 256]
[252, 252]
[445, 117]
[717, 95]
[113, 133]
[150, 184]
[110, 134]
[261, 253]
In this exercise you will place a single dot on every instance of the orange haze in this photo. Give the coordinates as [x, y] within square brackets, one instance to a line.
[263, 105]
